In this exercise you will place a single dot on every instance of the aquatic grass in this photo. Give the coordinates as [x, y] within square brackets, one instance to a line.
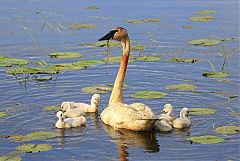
[206, 139]
[201, 18]
[202, 111]
[52, 108]
[227, 130]
[181, 87]
[33, 148]
[205, 42]
[184, 60]
[76, 26]
[148, 94]
[3, 114]
[65, 55]
[205, 12]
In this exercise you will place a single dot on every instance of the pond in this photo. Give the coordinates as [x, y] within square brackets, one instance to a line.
[34, 29]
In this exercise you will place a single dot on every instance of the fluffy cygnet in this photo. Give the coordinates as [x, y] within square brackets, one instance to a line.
[66, 105]
[183, 121]
[69, 122]
[74, 112]
[163, 125]
[167, 113]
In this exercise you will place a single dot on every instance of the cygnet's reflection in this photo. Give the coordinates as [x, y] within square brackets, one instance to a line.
[125, 138]
[94, 120]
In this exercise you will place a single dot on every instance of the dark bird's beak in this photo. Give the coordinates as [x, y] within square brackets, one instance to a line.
[162, 112]
[108, 36]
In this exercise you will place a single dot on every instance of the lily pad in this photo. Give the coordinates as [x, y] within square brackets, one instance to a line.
[138, 47]
[39, 135]
[10, 158]
[228, 130]
[8, 62]
[205, 12]
[187, 26]
[76, 26]
[116, 59]
[201, 18]
[101, 44]
[33, 148]
[181, 87]
[52, 108]
[97, 89]
[86, 63]
[67, 67]
[202, 111]
[65, 55]
[148, 94]
[42, 78]
[143, 20]
[184, 60]
[135, 21]
[205, 42]
[206, 139]
[27, 70]
[215, 74]
[148, 58]
[3, 114]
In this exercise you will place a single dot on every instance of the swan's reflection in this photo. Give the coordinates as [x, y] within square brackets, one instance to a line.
[125, 138]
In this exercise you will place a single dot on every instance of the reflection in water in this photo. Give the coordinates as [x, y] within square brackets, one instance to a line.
[125, 138]
[94, 119]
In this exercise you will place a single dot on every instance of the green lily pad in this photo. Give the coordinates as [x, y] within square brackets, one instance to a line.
[183, 60]
[228, 130]
[181, 87]
[52, 108]
[205, 12]
[33, 148]
[67, 67]
[97, 89]
[8, 62]
[138, 47]
[87, 63]
[3, 114]
[38, 135]
[65, 55]
[148, 94]
[76, 26]
[135, 21]
[148, 58]
[202, 111]
[215, 74]
[10, 158]
[205, 42]
[206, 139]
[42, 78]
[143, 20]
[201, 18]
[187, 26]
[101, 44]
[27, 70]
[116, 59]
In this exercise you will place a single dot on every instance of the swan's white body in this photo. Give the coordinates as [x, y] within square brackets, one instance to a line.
[163, 125]
[137, 116]
[93, 107]
[183, 121]
[71, 113]
[69, 122]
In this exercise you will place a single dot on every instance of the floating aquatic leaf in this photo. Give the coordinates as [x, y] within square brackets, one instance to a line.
[76, 26]
[148, 58]
[33, 148]
[10, 158]
[87, 63]
[205, 42]
[228, 130]
[101, 44]
[205, 12]
[116, 59]
[27, 70]
[42, 78]
[3, 114]
[2, 57]
[38, 135]
[181, 87]
[138, 47]
[187, 26]
[201, 18]
[202, 111]
[7, 62]
[67, 67]
[206, 139]
[52, 108]
[143, 20]
[65, 55]
[184, 60]
[215, 74]
[148, 94]
[135, 21]
[97, 89]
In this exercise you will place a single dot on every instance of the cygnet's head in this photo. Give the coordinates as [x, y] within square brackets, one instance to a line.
[184, 112]
[118, 34]
[167, 108]
[95, 99]
[60, 114]
[66, 105]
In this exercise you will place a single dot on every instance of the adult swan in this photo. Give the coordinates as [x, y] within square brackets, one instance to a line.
[136, 116]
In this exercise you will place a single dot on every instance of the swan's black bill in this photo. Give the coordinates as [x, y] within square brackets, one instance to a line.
[108, 36]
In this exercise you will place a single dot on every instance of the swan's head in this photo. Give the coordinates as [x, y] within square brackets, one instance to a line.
[118, 34]
[184, 112]
[167, 109]
[60, 115]
[66, 105]
[95, 99]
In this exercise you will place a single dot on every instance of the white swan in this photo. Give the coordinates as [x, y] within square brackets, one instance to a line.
[83, 106]
[69, 122]
[183, 121]
[74, 112]
[163, 125]
[167, 112]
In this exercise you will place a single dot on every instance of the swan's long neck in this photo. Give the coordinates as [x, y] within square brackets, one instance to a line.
[170, 110]
[183, 114]
[116, 95]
